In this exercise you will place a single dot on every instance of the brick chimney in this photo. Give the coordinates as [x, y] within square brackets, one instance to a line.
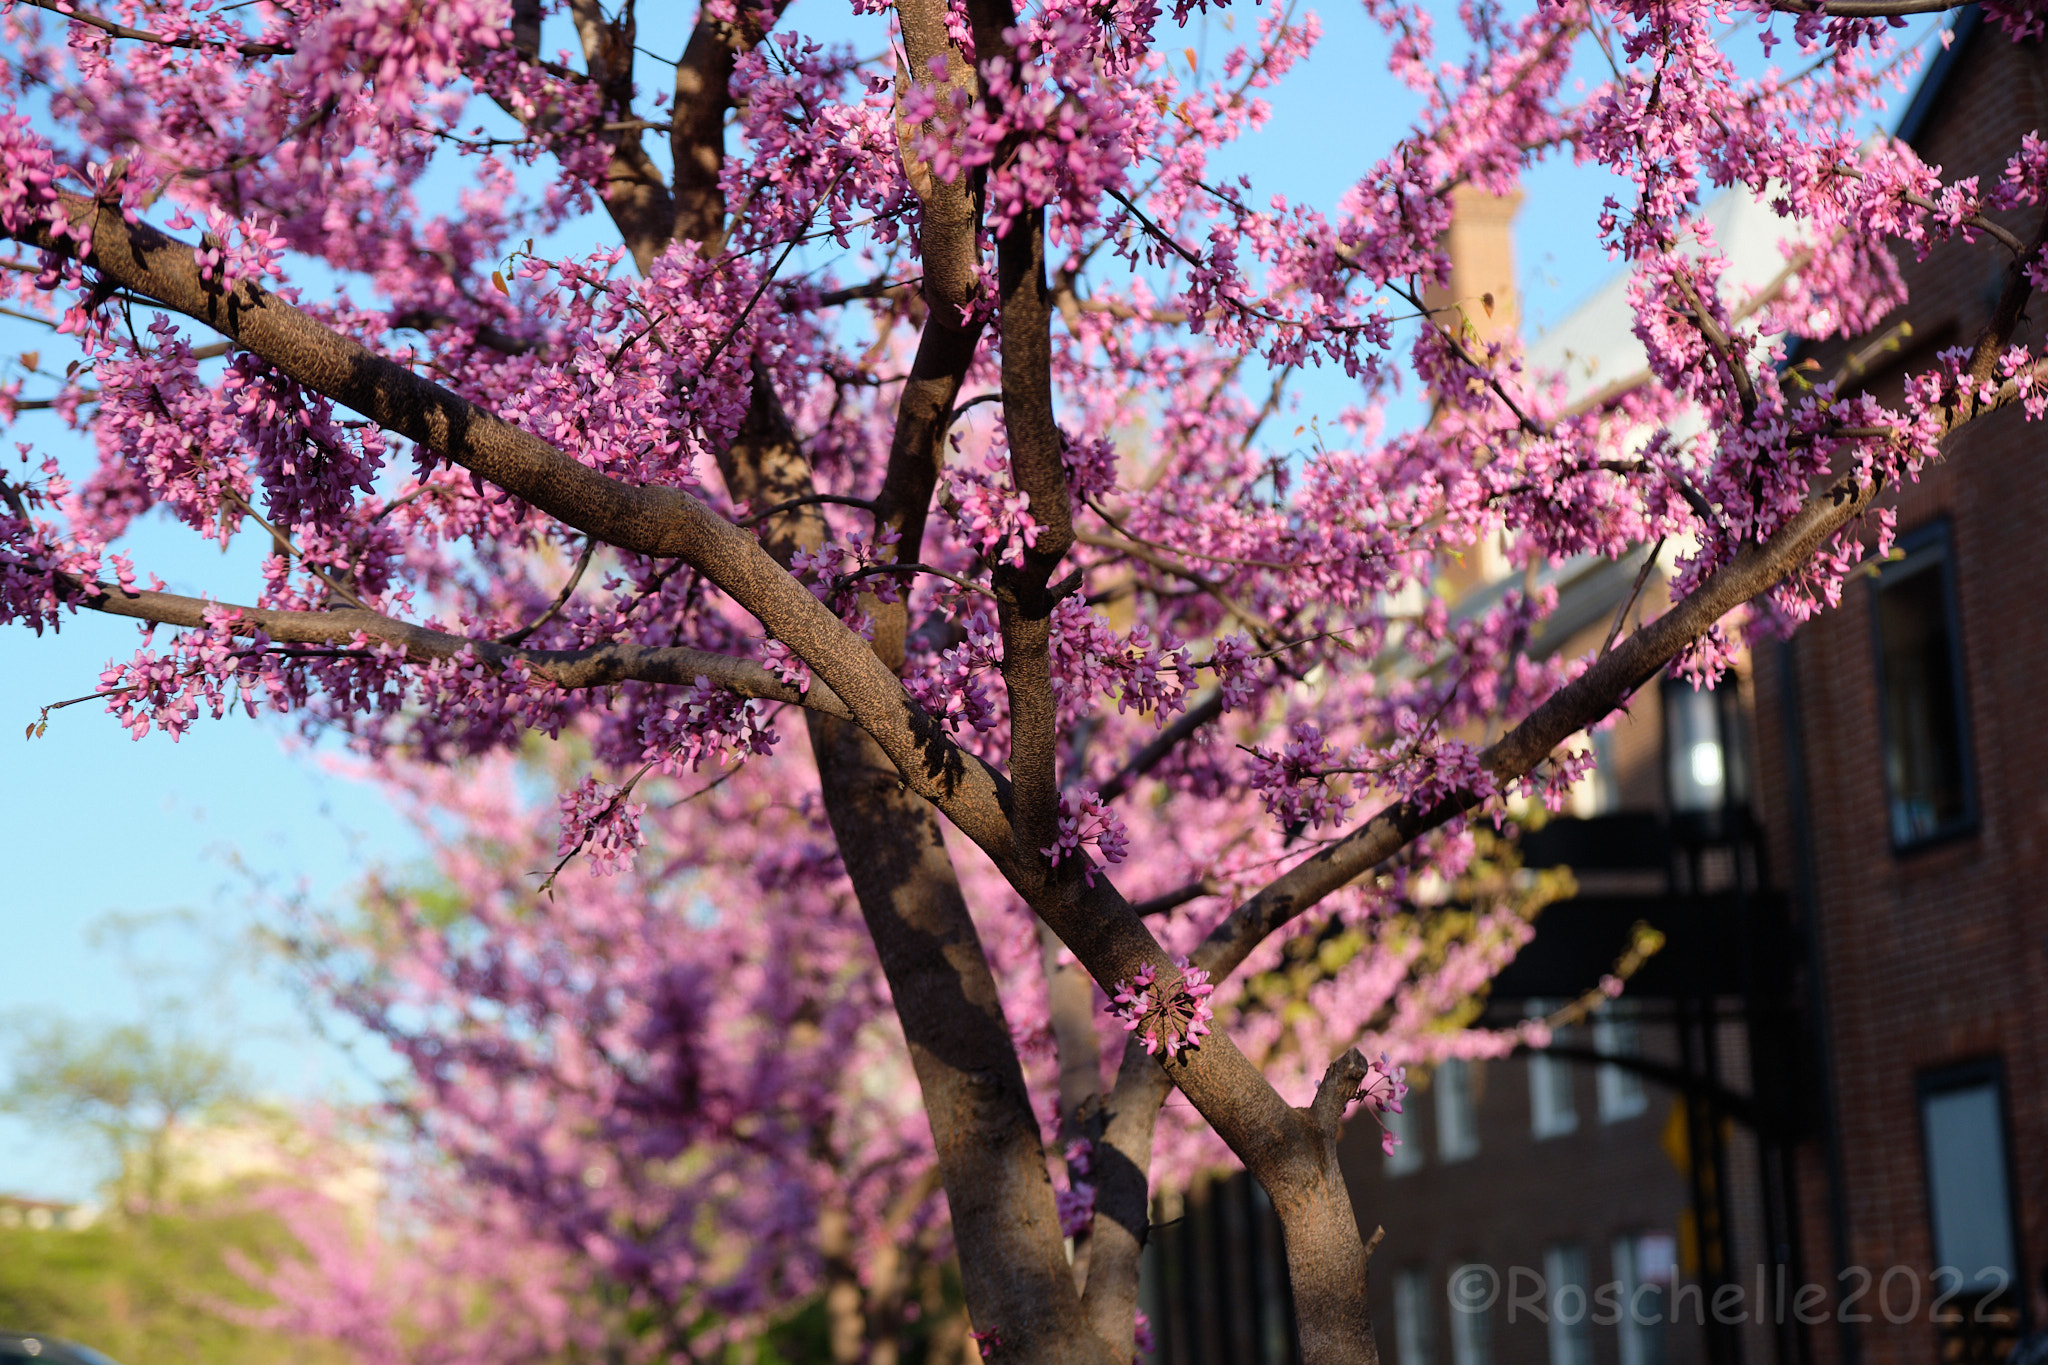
[1481, 245]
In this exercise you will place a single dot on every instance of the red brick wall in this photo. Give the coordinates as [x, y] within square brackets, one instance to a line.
[1940, 955]
[1517, 1196]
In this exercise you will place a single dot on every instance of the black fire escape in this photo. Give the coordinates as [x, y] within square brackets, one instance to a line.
[1696, 872]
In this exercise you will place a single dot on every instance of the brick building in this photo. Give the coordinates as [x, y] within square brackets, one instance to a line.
[1586, 1205]
[1902, 781]
[1833, 1082]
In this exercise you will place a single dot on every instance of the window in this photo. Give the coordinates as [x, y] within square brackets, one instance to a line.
[1926, 744]
[1643, 1269]
[1457, 1127]
[1472, 1289]
[1968, 1199]
[1551, 1111]
[1412, 1344]
[1570, 1325]
[1697, 761]
[1615, 1034]
[1407, 1153]
[1705, 765]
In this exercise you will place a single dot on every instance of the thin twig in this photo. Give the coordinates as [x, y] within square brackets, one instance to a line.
[1694, 499]
[284, 542]
[976, 401]
[768, 276]
[1858, 364]
[320, 114]
[143, 35]
[875, 570]
[1522, 419]
[547, 888]
[1921, 201]
[1179, 896]
[1162, 744]
[808, 500]
[1724, 346]
[1642, 577]
[561, 598]
[1101, 542]
[873, 289]
[41, 724]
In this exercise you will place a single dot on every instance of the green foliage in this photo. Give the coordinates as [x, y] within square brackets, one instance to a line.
[151, 1280]
[126, 1085]
[935, 1335]
[1429, 928]
[153, 1289]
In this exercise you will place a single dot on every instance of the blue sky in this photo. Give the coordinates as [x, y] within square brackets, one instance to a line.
[215, 826]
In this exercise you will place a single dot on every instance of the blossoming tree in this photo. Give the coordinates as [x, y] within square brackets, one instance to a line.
[988, 499]
[713, 1111]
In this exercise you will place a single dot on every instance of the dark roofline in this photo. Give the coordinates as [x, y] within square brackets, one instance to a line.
[1914, 121]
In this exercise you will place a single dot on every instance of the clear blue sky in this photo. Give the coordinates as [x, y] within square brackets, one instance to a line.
[237, 812]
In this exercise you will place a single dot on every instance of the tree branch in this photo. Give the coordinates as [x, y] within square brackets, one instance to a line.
[1179, 896]
[697, 121]
[143, 35]
[873, 289]
[634, 193]
[944, 992]
[807, 500]
[1123, 1198]
[284, 544]
[1867, 9]
[597, 666]
[949, 228]
[1723, 345]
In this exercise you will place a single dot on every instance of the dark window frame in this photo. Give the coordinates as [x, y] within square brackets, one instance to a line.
[1941, 1080]
[1929, 548]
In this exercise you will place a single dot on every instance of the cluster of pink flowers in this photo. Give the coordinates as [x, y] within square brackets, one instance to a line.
[598, 821]
[1294, 782]
[1170, 1017]
[1380, 1094]
[1085, 819]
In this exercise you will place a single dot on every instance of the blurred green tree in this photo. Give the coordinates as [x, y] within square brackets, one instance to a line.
[127, 1087]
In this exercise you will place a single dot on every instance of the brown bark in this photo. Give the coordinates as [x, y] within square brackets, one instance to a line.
[1012, 1260]
[990, 1158]
[948, 225]
[1024, 602]
[597, 666]
[634, 193]
[1123, 1198]
[697, 121]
